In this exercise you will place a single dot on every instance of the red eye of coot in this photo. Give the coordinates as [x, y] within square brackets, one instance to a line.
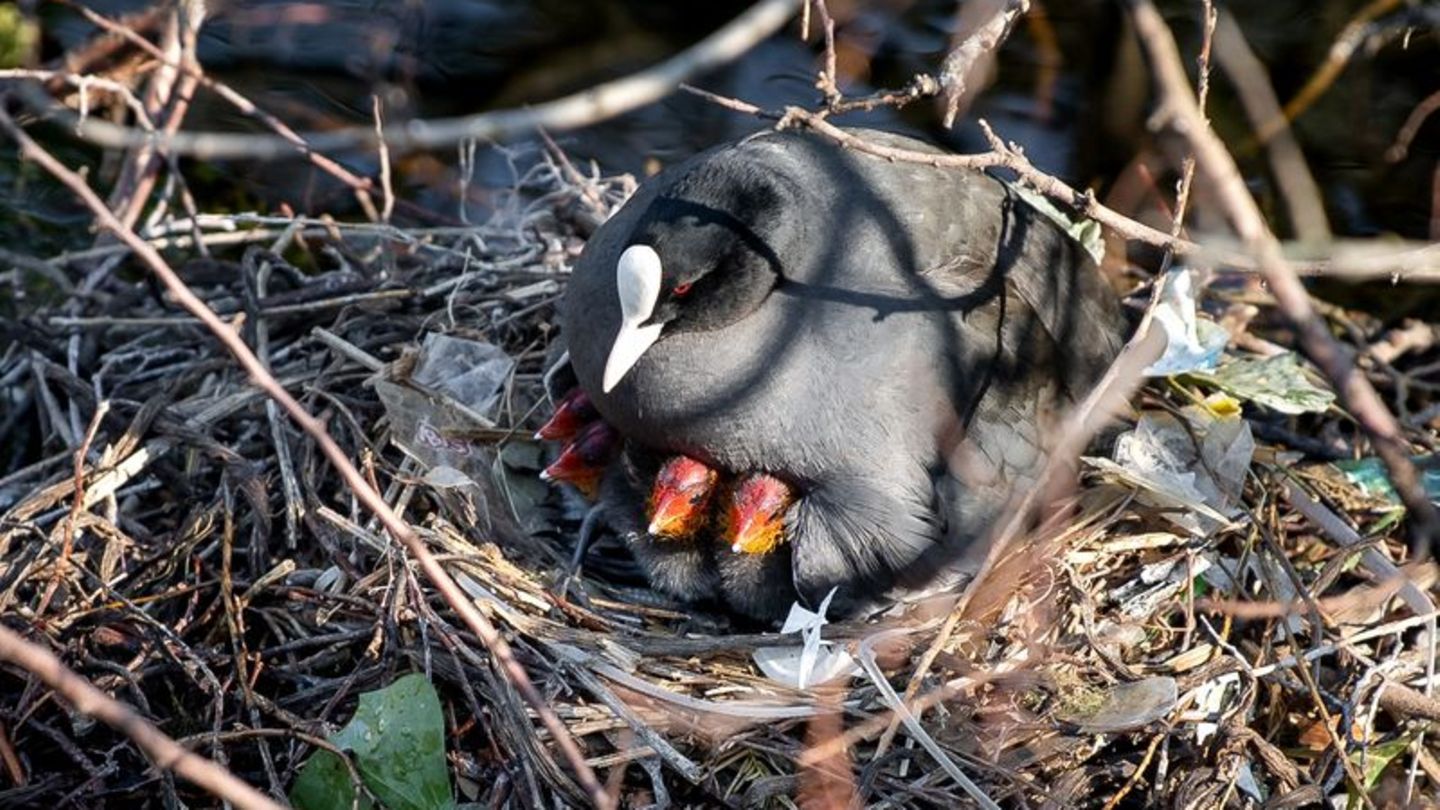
[682, 289]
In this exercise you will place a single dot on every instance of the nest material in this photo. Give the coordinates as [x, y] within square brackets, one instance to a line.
[214, 573]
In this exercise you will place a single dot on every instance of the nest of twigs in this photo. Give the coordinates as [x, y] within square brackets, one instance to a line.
[200, 560]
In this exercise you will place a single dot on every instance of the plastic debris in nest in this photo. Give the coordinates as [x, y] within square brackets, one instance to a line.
[815, 660]
[1124, 707]
[447, 388]
[470, 372]
[1370, 476]
[1213, 698]
[1195, 347]
[1140, 597]
[1195, 479]
[1193, 343]
[440, 396]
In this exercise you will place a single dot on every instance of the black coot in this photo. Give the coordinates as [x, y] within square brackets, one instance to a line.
[890, 339]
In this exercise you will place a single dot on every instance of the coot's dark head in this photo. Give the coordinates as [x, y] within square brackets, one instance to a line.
[706, 253]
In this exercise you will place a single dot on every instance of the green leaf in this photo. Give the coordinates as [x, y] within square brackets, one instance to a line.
[1084, 230]
[1199, 587]
[18, 37]
[1387, 521]
[1277, 382]
[397, 737]
[1376, 759]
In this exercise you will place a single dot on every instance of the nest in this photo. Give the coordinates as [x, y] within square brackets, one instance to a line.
[200, 560]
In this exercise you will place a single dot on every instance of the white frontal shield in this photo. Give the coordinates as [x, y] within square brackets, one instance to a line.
[637, 281]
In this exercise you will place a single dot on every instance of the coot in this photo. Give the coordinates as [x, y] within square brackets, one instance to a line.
[889, 339]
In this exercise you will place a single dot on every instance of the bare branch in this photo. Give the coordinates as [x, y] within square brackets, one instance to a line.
[577, 110]
[983, 27]
[1411, 127]
[1336, 59]
[1292, 174]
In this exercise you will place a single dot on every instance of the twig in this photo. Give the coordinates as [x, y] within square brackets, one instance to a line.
[1114, 801]
[576, 110]
[1336, 735]
[1377, 564]
[866, 656]
[83, 84]
[1414, 262]
[387, 192]
[1001, 156]
[62, 565]
[983, 25]
[371, 499]
[1336, 59]
[168, 93]
[1292, 175]
[360, 185]
[827, 82]
[13, 768]
[1399, 699]
[1401, 147]
[1202, 64]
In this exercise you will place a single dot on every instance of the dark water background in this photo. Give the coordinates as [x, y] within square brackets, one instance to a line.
[1081, 116]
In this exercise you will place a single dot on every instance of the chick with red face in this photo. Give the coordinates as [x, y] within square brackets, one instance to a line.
[676, 547]
[573, 413]
[704, 538]
[753, 556]
[677, 509]
[724, 539]
[679, 504]
[584, 460]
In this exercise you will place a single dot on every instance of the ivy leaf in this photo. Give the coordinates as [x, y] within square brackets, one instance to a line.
[1278, 383]
[1376, 759]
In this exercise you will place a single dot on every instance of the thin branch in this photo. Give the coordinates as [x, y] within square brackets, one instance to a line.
[386, 188]
[168, 93]
[1413, 261]
[1292, 175]
[1336, 59]
[828, 82]
[360, 185]
[983, 26]
[1202, 65]
[1411, 127]
[1001, 156]
[576, 110]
